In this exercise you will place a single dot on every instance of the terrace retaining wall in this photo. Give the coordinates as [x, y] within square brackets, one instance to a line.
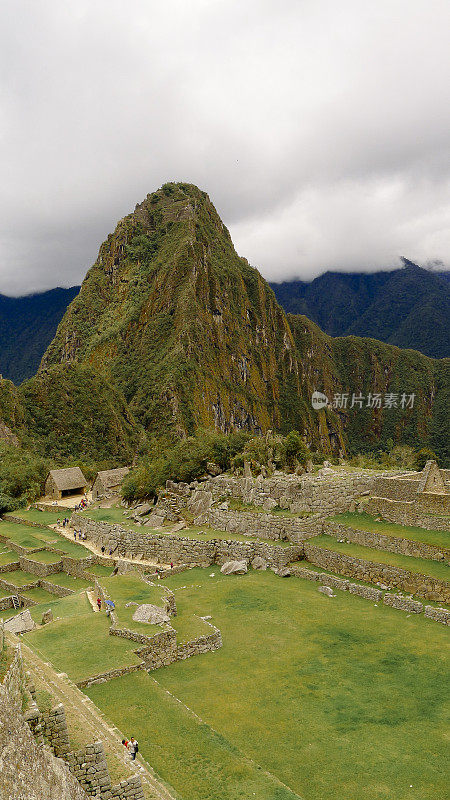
[166, 548]
[39, 568]
[372, 572]
[381, 541]
[406, 513]
[9, 567]
[28, 771]
[264, 526]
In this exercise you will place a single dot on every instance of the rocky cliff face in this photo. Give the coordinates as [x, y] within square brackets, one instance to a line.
[193, 336]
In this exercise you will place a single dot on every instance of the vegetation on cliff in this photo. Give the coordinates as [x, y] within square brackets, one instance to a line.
[408, 307]
[194, 338]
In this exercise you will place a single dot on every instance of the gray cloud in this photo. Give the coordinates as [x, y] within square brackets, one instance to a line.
[319, 129]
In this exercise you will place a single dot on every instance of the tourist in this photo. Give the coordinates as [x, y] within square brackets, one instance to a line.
[58, 522]
[75, 535]
[171, 565]
[133, 747]
[125, 743]
[103, 549]
[99, 603]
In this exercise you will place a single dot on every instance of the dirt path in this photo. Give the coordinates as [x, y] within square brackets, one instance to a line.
[68, 534]
[94, 723]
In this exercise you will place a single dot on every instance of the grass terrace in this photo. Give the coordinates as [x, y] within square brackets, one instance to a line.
[40, 517]
[31, 538]
[308, 693]
[45, 557]
[365, 522]
[202, 534]
[68, 581]
[99, 570]
[81, 645]
[124, 589]
[19, 578]
[8, 557]
[435, 569]
[39, 596]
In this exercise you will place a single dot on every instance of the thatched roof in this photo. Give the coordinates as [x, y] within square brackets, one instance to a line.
[112, 477]
[68, 479]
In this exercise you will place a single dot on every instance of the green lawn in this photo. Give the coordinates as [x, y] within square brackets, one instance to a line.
[8, 557]
[20, 534]
[62, 579]
[365, 522]
[30, 537]
[39, 595]
[41, 517]
[18, 577]
[436, 569]
[131, 588]
[100, 570]
[81, 646]
[45, 557]
[335, 697]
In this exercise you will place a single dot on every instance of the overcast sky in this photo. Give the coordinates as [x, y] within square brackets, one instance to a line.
[320, 129]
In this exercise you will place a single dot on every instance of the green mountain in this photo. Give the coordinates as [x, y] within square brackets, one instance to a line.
[27, 326]
[408, 307]
[192, 336]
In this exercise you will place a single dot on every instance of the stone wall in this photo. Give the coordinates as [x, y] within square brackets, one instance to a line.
[405, 512]
[397, 487]
[53, 588]
[11, 587]
[264, 526]
[9, 567]
[27, 771]
[164, 548]
[441, 615]
[438, 614]
[403, 603]
[381, 541]
[88, 765]
[321, 494]
[372, 572]
[39, 568]
[203, 644]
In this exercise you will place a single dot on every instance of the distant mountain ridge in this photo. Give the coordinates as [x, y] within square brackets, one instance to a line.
[408, 307]
[27, 326]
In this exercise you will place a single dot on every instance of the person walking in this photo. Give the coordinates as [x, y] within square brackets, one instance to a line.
[99, 603]
[133, 747]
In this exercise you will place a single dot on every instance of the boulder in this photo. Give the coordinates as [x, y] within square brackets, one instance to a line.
[234, 568]
[21, 623]
[212, 468]
[326, 590]
[47, 616]
[179, 526]
[200, 502]
[259, 563]
[151, 614]
[284, 572]
[144, 508]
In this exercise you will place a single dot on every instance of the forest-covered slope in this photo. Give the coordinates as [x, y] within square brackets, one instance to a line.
[408, 307]
[27, 326]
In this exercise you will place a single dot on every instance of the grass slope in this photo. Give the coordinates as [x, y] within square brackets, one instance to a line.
[365, 522]
[420, 565]
[337, 698]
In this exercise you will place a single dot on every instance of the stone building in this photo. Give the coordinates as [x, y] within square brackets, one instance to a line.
[107, 482]
[65, 483]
